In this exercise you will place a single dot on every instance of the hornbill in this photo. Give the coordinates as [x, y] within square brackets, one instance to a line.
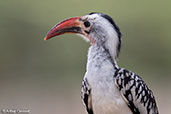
[106, 88]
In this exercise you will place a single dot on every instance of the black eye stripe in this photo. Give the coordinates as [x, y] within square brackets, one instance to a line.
[87, 32]
[87, 24]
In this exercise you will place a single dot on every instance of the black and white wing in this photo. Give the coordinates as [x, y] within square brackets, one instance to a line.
[86, 96]
[135, 92]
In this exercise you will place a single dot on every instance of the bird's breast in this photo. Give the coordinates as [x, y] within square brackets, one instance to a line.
[106, 98]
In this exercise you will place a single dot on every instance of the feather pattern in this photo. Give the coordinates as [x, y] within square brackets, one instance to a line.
[86, 96]
[138, 96]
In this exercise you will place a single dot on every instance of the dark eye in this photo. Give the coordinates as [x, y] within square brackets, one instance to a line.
[87, 24]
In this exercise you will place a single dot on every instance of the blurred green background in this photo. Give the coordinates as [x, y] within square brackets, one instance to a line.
[45, 76]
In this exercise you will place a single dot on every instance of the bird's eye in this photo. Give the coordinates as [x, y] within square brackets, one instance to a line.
[87, 24]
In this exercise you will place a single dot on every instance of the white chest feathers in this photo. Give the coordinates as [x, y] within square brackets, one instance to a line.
[106, 98]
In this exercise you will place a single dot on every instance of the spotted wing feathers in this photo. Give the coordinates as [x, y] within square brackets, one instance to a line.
[86, 96]
[137, 95]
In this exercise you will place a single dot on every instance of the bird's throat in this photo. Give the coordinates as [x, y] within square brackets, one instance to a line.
[99, 57]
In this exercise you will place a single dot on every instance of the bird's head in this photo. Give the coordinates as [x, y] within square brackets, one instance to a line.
[98, 28]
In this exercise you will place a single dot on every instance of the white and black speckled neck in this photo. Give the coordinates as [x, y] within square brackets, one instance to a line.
[99, 56]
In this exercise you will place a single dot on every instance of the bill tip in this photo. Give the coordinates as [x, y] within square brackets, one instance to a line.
[45, 38]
